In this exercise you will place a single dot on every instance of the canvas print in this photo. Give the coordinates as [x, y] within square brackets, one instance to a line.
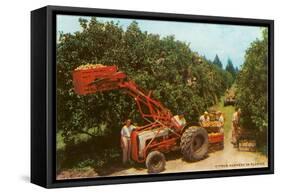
[141, 97]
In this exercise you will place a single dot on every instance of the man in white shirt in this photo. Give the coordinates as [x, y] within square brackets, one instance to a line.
[235, 126]
[126, 140]
[204, 118]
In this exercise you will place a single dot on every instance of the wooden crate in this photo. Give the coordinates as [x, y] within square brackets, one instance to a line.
[247, 145]
[215, 137]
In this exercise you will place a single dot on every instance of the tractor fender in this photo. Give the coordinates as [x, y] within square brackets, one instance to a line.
[190, 124]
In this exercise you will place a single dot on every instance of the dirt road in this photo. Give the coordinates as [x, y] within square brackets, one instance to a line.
[228, 158]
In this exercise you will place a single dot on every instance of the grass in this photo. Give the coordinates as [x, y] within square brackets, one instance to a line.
[227, 113]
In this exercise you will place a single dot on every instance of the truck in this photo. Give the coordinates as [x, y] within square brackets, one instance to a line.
[230, 98]
[161, 133]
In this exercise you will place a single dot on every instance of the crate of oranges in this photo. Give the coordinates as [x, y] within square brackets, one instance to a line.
[84, 75]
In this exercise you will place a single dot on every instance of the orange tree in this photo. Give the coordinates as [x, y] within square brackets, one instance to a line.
[252, 90]
[181, 79]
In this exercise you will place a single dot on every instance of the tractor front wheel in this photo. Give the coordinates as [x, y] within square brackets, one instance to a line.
[155, 162]
[194, 143]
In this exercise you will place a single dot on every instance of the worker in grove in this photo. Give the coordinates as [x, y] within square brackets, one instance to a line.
[126, 140]
[204, 118]
[220, 118]
[179, 120]
[235, 126]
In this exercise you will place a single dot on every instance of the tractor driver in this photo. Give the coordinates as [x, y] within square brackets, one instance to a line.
[204, 118]
[179, 120]
[126, 140]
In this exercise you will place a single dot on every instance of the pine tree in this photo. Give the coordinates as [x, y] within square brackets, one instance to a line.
[230, 67]
[217, 61]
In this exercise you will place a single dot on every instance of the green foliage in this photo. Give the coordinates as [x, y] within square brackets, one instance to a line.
[230, 68]
[227, 75]
[236, 70]
[252, 88]
[179, 78]
[217, 61]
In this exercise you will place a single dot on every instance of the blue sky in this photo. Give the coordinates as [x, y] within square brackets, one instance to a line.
[228, 41]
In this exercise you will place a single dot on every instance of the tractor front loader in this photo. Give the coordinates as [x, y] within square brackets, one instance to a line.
[161, 134]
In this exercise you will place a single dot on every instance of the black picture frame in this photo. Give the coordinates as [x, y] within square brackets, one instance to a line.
[43, 96]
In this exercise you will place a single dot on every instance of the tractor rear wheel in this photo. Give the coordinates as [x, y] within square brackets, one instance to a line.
[155, 162]
[194, 143]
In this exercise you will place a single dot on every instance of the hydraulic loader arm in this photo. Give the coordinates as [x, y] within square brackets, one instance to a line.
[106, 78]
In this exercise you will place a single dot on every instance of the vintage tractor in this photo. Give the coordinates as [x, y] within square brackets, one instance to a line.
[161, 134]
